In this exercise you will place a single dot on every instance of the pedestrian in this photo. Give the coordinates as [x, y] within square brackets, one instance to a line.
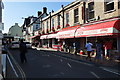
[98, 57]
[88, 47]
[108, 47]
[23, 51]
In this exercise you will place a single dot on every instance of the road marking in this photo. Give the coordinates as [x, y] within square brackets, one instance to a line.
[12, 66]
[1, 77]
[62, 73]
[69, 65]
[94, 74]
[19, 68]
[61, 60]
[109, 70]
[73, 60]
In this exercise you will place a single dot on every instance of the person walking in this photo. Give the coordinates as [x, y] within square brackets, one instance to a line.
[98, 57]
[88, 47]
[108, 48]
[23, 50]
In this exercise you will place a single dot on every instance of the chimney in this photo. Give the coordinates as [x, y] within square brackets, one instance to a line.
[39, 13]
[52, 11]
[44, 10]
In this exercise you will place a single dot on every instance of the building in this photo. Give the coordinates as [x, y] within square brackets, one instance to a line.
[76, 23]
[15, 31]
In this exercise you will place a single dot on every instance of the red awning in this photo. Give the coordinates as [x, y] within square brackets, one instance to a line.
[52, 36]
[67, 32]
[99, 29]
[43, 37]
[34, 36]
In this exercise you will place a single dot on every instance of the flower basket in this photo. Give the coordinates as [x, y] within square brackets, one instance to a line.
[67, 25]
[58, 27]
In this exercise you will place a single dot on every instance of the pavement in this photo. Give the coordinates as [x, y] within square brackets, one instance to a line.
[107, 64]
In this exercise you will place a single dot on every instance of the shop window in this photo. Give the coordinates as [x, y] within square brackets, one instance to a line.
[109, 5]
[118, 4]
[55, 41]
[76, 16]
[67, 18]
[91, 10]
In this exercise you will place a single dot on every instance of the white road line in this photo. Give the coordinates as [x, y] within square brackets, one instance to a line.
[74, 60]
[109, 70]
[69, 65]
[61, 60]
[12, 66]
[17, 65]
[1, 77]
[94, 74]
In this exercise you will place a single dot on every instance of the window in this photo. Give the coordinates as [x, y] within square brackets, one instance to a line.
[119, 4]
[47, 24]
[109, 5]
[36, 26]
[43, 26]
[52, 22]
[67, 18]
[76, 16]
[58, 20]
[91, 10]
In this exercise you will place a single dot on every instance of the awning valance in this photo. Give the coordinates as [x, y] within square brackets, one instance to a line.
[52, 35]
[43, 37]
[100, 29]
[67, 32]
[34, 36]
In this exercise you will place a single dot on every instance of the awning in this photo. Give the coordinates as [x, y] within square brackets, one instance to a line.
[52, 35]
[100, 29]
[34, 36]
[67, 32]
[43, 37]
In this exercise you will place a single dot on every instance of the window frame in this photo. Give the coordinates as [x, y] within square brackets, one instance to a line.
[76, 15]
[107, 3]
[67, 18]
[91, 10]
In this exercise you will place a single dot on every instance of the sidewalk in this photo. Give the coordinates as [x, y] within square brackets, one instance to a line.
[113, 65]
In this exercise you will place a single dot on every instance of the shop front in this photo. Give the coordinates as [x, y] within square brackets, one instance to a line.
[53, 41]
[67, 38]
[44, 41]
[35, 40]
[107, 30]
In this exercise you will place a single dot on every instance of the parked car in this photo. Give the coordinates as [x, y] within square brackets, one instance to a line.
[28, 44]
[14, 44]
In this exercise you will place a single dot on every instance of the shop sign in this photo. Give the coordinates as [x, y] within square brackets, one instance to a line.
[84, 33]
[66, 34]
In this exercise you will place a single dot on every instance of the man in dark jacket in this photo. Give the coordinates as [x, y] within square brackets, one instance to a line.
[23, 50]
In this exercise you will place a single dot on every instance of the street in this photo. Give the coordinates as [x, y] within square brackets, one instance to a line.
[47, 64]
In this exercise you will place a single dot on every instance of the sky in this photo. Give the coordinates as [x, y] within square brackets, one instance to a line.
[14, 11]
